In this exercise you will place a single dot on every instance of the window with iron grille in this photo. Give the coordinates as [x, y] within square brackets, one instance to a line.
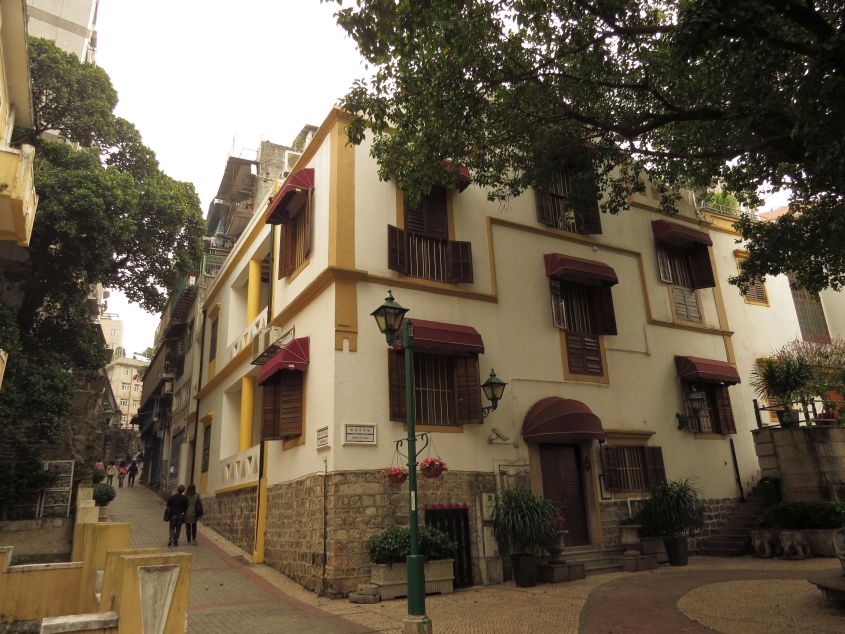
[212, 341]
[206, 448]
[584, 313]
[716, 415]
[676, 269]
[811, 318]
[446, 388]
[632, 467]
[295, 236]
[423, 249]
[570, 202]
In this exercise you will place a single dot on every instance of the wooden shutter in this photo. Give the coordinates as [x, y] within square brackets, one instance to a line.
[686, 304]
[290, 404]
[604, 317]
[558, 313]
[584, 201]
[664, 266]
[460, 261]
[725, 412]
[610, 461]
[545, 211]
[307, 219]
[757, 292]
[287, 249]
[467, 390]
[655, 471]
[583, 354]
[270, 409]
[397, 251]
[702, 271]
[431, 217]
[396, 385]
[282, 237]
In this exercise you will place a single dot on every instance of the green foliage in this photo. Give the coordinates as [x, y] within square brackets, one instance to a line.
[393, 545]
[22, 475]
[524, 522]
[103, 494]
[696, 94]
[98, 476]
[673, 508]
[800, 515]
[800, 371]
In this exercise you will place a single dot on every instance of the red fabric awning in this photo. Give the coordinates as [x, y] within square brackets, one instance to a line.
[299, 181]
[678, 235]
[460, 172]
[569, 269]
[293, 355]
[562, 420]
[435, 336]
[707, 370]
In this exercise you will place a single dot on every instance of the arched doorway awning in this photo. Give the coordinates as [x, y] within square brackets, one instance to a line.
[561, 420]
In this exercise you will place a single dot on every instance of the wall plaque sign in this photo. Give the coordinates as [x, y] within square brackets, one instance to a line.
[322, 437]
[359, 435]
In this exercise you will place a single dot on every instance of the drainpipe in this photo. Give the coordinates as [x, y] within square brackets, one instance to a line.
[197, 413]
[736, 471]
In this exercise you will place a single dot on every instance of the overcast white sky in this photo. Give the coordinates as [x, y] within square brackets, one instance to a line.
[202, 80]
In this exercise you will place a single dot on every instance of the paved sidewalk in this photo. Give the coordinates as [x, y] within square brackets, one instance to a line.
[226, 595]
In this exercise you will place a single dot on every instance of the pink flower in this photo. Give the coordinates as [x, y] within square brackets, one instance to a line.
[434, 463]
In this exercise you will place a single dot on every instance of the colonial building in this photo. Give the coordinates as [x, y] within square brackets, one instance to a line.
[125, 378]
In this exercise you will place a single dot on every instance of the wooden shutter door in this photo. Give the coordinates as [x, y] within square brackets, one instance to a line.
[558, 313]
[605, 318]
[283, 231]
[306, 233]
[396, 250]
[467, 390]
[584, 201]
[583, 354]
[664, 266]
[269, 410]
[290, 404]
[655, 471]
[725, 413]
[610, 466]
[436, 214]
[702, 271]
[396, 385]
[460, 262]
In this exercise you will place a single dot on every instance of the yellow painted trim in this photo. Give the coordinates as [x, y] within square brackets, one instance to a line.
[341, 198]
[247, 412]
[204, 482]
[253, 290]
[723, 224]
[300, 440]
[568, 375]
[228, 369]
[214, 311]
[428, 286]
[491, 259]
[345, 314]
[236, 487]
[211, 372]
[261, 520]
[721, 313]
[628, 436]
[320, 283]
[274, 238]
[245, 242]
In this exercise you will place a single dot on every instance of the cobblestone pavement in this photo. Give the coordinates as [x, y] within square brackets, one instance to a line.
[226, 595]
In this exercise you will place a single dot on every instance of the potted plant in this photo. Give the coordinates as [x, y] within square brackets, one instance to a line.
[524, 524]
[783, 379]
[395, 475]
[673, 510]
[433, 467]
[103, 494]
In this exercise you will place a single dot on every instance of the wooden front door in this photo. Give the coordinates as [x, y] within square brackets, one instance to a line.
[563, 483]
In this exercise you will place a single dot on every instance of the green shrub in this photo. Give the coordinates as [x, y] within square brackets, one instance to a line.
[103, 494]
[798, 515]
[673, 508]
[524, 522]
[393, 545]
[99, 475]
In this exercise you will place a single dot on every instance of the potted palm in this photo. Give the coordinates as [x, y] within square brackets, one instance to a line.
[783, 380]
[524, 524]
[673, 510]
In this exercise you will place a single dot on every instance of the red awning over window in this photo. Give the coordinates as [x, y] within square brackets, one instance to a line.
[435, 336]
[678, 235]
[460, 172]
[293, 355]
[706, 370]
[299, 181]
[569, 269]
[556, 419]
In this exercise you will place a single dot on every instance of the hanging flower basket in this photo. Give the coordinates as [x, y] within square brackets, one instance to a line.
[395, 475]
[433, 467]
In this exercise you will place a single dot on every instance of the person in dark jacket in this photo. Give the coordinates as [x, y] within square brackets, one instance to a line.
[132, 472]
[193, 514]
[177, 504]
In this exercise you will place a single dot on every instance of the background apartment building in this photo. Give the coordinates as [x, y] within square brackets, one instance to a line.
[71, 24]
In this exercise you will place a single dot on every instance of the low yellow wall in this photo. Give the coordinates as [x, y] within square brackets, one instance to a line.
[39, 590]
[97, 540]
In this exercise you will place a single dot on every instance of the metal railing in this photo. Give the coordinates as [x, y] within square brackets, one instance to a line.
[428, 258]
[800, 414]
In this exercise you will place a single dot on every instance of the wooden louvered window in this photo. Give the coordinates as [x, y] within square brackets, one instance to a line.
[423, 249]
[446, 388]
[570, 203]
[716, 415]
[632, 467]
[282, 406]
[584, 313]
[756, 291]
[811, 317]
[295, 235]
[675, 265]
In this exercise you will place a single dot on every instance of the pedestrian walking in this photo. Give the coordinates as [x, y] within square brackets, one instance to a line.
[192, 514]
[177, 504]
[111, 471]
[132, 471]
[122, 470]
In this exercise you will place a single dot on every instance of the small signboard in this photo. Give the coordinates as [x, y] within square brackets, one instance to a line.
[359, 435]
[323, 438]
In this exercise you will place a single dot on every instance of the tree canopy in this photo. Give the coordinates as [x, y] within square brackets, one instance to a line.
[697, 94]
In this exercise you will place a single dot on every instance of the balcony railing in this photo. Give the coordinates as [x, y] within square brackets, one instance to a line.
[250, 332]
[241, 468]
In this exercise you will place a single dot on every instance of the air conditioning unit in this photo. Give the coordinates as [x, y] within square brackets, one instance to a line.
[290, 160]
[266, 344]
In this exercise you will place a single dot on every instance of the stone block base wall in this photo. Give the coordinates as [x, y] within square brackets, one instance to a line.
[716, 512]
[358, 504]
[233, 516]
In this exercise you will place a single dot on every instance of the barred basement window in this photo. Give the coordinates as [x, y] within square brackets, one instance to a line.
[632, 467]
[570, 202]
